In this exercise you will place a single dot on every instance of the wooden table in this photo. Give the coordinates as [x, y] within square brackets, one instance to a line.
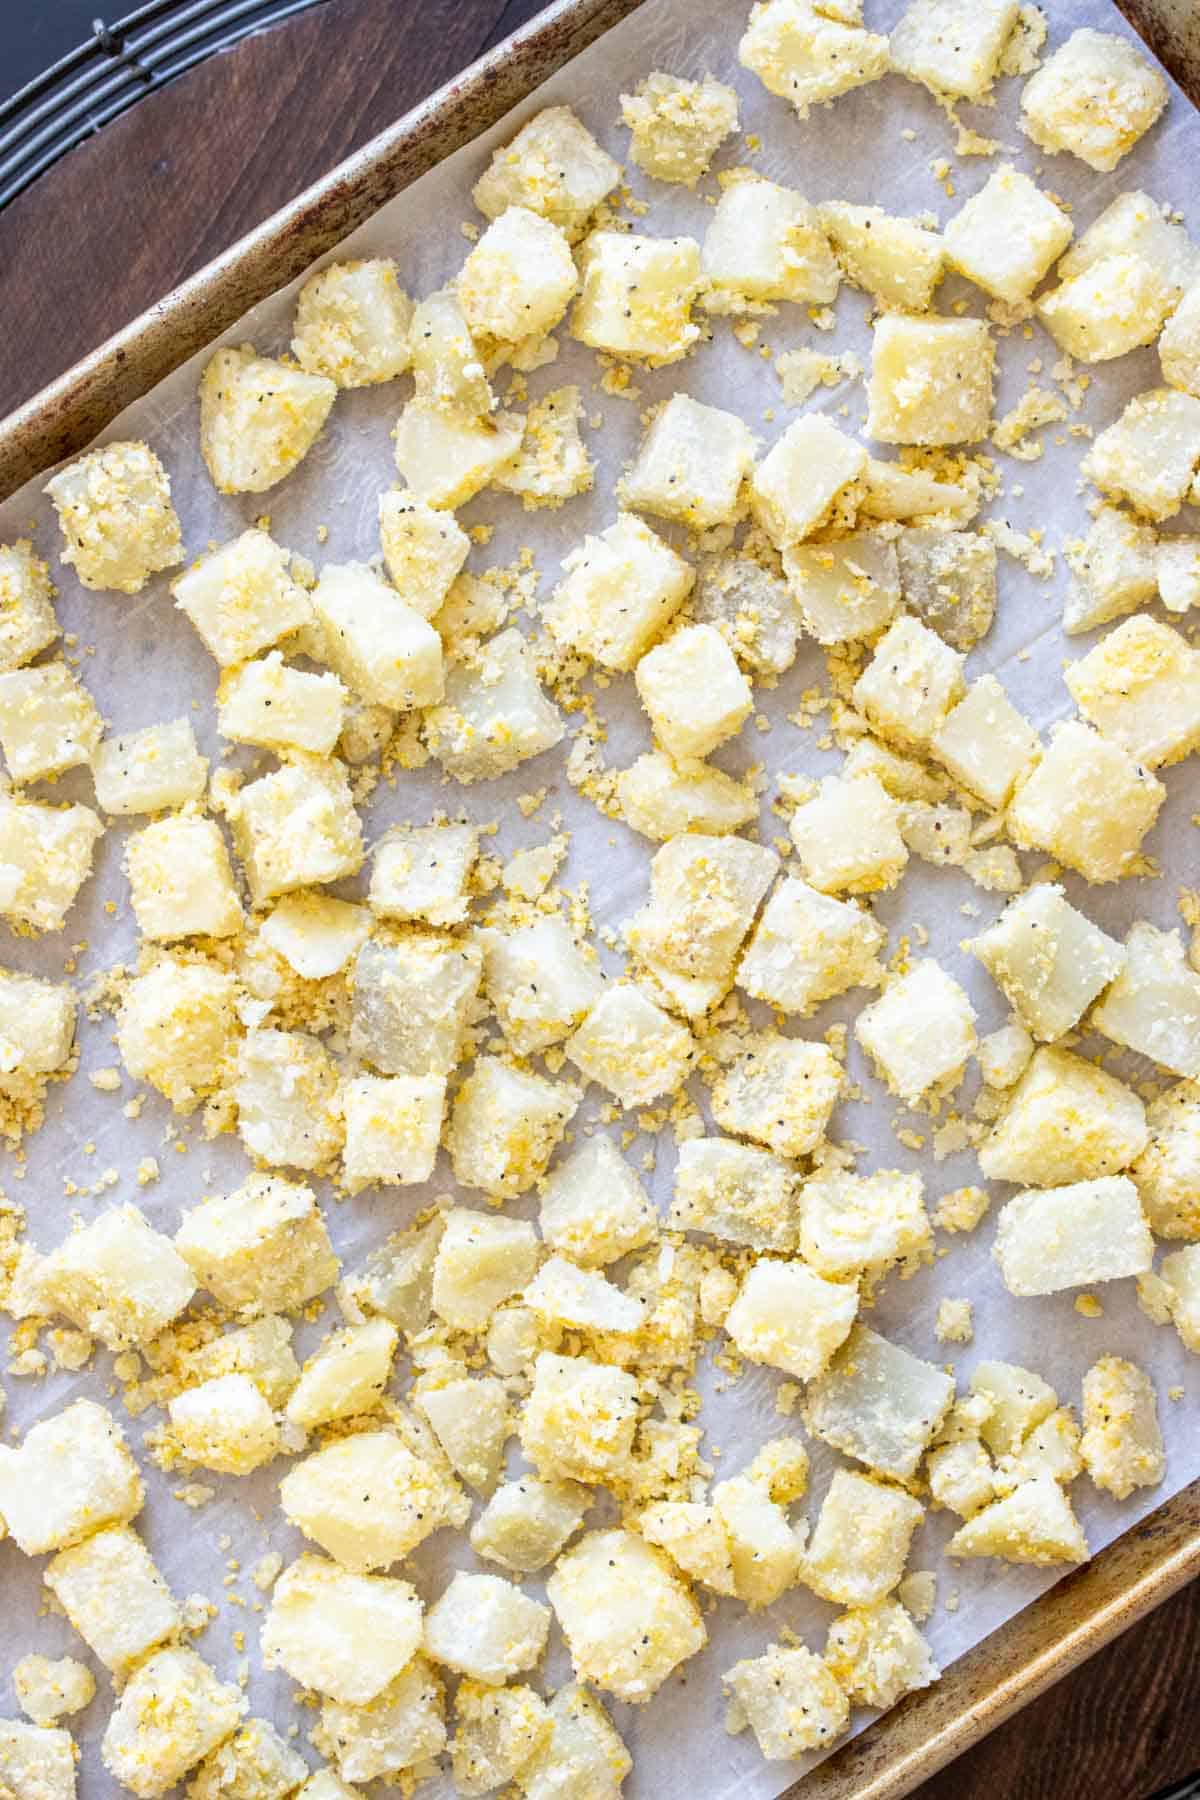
[155, 196]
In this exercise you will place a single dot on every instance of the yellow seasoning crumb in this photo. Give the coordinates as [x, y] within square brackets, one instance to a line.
[106, 1081]
[1089, 1306]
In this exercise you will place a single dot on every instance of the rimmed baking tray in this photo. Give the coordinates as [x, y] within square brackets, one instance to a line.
[1155, 1557]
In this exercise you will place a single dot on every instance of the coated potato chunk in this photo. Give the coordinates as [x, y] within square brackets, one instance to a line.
[553, 166]
[1140, 686]
[382, 648]
[471, 1420]
[243, 597]
[553, 464]
[254, 1764]
[45, 858]
[948, 579]
[579, 1419]
[481, 1261]
[627, 1618]
[423, 549]
[594, 1209]
[953, 47]
[848, 837]
[695, 1538]
[620, 591]
[352, 322]
[910, 684]
[788, 1316]
[539, 980]
[766, 243]
[343, 1634]
[691, 465]
[504, 1126]
[347, 1375]
[809, 53]
[47, 1691]
[484, 1627]
[584, 1755]
[297, 827]
[27, 618]
[447, 457]
[678, 126]
[1053, 1238]
[180, 881]
[48, 721]
[1048, 959]
[1121, 1447]
[114, 507]
[519, 278]
[117, 1279]
[177, 1027]
[780, 1092]
[845, 590]
[1088, 803]
[859, 1545]
[172, 1712]
[1007, 235]
[808, 947]
[1135, 224]
[791, 1700]
[286, 1093]
[1179, 345]
[1148, 456]
[920, 1032]
[693, 691]
[852, 1225]
[659, 798]
[931, 381]
[495, 714]
[392, 1127]
[315, 934]
[632, 1047]
[879, 1403]
[263, 1248]
[896, 261]
[1114, 569]
[985, 743]
[70, 1475]
[369, 1500]
[736, 1193]
[37, 1025]
[498, 1732]
[636, 296]
[267, 703]
[1066, 1121]
[1167, 1173]
[704, 893]
[87, 1579]
[1095, 97]
[877, 1654]
[526, 1523]
[1113, 306]
[258, 418]
[401, 1728]
[420, 872]
[1033, 1524]
[802, 476]
[1177, 571]
[563, 1295]
[1179, 1275]
[1153, 1006]
[224, 1424]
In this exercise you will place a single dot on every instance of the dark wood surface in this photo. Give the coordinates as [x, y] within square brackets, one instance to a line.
[154, 197]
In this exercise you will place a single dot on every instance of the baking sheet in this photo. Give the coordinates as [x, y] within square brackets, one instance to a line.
[143, 662]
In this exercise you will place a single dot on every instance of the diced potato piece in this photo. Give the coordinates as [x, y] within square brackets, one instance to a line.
[446, 456]
[539, 980]
[1167, 1173]
[553, 464]
[114, 507]
[1140, 686]
[788, 1316]
[1048, 959]
[579, 1419]
[494, 714]
[1051, 1448]
[481, 1261]
[693, 691]
[1096, 96]
[764, 1550]
[848, 836]
[1088, 803]
[1113, 306]
[910, 684]
[352, 322]
[810, 54]
[806, 470]
[27, 619]
[847, 589]
[678, 126]
[691, 465]
[172, 1712]
[472, 1423]
[892, 491]
[636, 296]
[315, 934]
[948, 579]
[423, 548]
[448, 372]
[879, 1403]
[254, 1764]
[347, 1375]
[265, 702]
[498, 1733]
[562, 1294]
[286, 1092]
[1149, 455]
[1177, 569]
[421, 871]
[48, 721]
[704, 895]
[1180, 1276]
[400, 1729]
[1153, 1006]
[117, 1279]
[396, 1281]
[36, 1763]
[263, 1248]
[178, 1025]
[695, 1539]
[735, 1193]
[1135, 224]
[1121, 1447]
[660, 799]
[1033, 1524]
[1114, 569]
[985, 743]
[1179, 345]
[519, 278]
[1017, 1401]
[780, 1092]
[877, 1654]
[483, 1627]
[526, 1523]
[898, 262]
[392, 1127]
[554, 166]
[258, 418]
[345, 1635]
[297, 827]
[931, 381]
[764, 243]
[852, 1225]
[45, 858]
[70, 1475]
[631, 1047]
[920, 1032]
[808, 947]
[504, 1125]
[953, 47]
[1048, 1239]
[180, 881]
[627, 1618]
[584, 1755]
[620, 591]
[860, 1543]
[1066, 1121]
[367, 1500]
[86, 1581]
[262, 1350]
[224, 1424]
[47, 1691]
[381, 647]
[1006, 236]
[791, 1700]
[961, 1476]
[242, 597]
[412, 999]
[593, 1207]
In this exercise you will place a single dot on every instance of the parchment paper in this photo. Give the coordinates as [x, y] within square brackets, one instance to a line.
[144, 663]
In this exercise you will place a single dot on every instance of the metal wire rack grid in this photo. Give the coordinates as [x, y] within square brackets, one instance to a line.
[121, 61]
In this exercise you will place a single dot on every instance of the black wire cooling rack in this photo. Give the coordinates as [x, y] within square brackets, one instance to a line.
[121, 61]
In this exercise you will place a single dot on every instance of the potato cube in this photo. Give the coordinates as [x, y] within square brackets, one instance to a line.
[788, 1316]
[37, 1025]
[961, 1476]
[114, 507]
[314, 934]
[1122, 1445]
[920, 1032]
[146, 771]
[526, 1523]
[1096, 96]
[879, 1403]
[494, 714]
[1049, 960]
[352, 322]
[677, 126]
[735, 1193]
[481, 1261]
[562, 1294]
[369, 1499]
[1140, 686]
[265, 702]
[498, 1732]
[1135, 224]
[1149, 455]
[619, 593]
[262, 1350]
[448, 371]
[400, 1729]
[691, 465]
[48, 721]
[117, 1279]
[860, 1542]
[1113, 306]
[897, 262]
[752, 609]
[890, 490]
[1177, 570]
[180, 881]
[1180, 1277]
[848, 837]
[779, 1092]
[579, 1419]
[297, 827]
[345, 1635]
[931, 381]
[1167, 1173]
[985, 743]
[693, 691]
[704, 895]
[1114, 569]
[593, 1207]
[876, 1654]
[790, 1699]
[50, 1690]
[809, 53]
[808, 947]
[1017, 1402]
[45, 858]
[1033, 1524]
[70, 1475]
[178, 1027]
[764, 1551]
[1179, 345]
[484, 1627]
[627, 1618]
[254, 1764]
[695, 1538]
[84, 1580]
[1048, 1239]
[243, 597]
[539, 980]
[263, 1248]
[631, 1047]
[347, 1375]
[286, 1094]
[1088, 803]
[853, 1225]
[1006, 236]
[504, 1125]
[845, 590]
[953, 47]
[36, 1763]
[636, 296]
[258, 418]
[910, 684]
[1066, 1121]
[948, 579]
[446, 457]
[554, 166]
[802, 476]
[382, 648]
[171, 1713]
[27, 619]
[1153, 1006]
[553, 464]
[412, 1000]
[765, 243]
[392, 1126]
[660, 799]
[423, 549]
[471, 1420]
[517, 281]
[224, 1424]
[420, 872]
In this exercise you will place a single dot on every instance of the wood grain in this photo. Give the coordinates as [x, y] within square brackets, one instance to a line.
[153, 198]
